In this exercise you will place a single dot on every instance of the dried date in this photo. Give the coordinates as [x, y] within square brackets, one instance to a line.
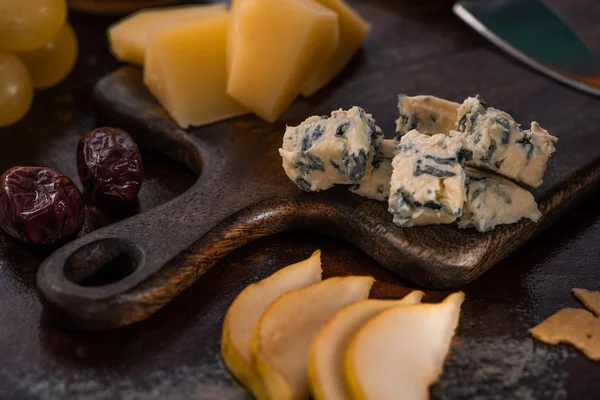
[110, 165]
[40, 205]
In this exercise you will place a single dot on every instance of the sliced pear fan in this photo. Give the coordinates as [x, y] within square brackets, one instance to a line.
[326, 354]
[247, 308]
[399, 353]
[284, 332]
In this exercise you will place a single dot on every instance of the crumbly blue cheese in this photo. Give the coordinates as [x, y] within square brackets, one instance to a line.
[428, 179]
[499, 144]
[325, 151]
[377, 187]
[427, 114]
[493, 200]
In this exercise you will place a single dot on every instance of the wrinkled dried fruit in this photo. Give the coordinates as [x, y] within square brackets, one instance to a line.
[39, 205]
[110, 165]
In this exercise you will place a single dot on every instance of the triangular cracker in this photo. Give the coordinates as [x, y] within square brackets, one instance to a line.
[591, 300]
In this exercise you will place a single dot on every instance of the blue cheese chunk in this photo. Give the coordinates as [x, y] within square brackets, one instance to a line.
[493, 200]
[499, 144]
[428, 179]
[325, 151]
[377, 187]
[427, 114]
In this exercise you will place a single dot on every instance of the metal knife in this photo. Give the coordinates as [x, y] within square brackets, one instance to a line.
[535, 34]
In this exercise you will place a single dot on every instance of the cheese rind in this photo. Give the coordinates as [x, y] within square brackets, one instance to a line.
[325, 151]
[128, 38]
[353, 32]
[274, 46]
[428, 179]
[427, 114]
[500, 145]
[377, 186]
[185, 71]
[493, 200]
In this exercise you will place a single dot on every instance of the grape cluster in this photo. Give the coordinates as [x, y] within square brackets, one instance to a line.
[38, 49]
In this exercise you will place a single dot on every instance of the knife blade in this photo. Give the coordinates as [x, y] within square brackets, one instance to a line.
[535, 34]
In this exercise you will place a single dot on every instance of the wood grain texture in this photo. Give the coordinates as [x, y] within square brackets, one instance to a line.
[243, 194]
[175, 353]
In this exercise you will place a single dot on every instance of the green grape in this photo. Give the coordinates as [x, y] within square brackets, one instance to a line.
[50, 64]
[16, 89]
[26, 25]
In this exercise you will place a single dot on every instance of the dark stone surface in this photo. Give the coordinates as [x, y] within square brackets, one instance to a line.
[175, 353]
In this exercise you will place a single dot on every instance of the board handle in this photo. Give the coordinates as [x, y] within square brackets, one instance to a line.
[125, 272]
[143, 283]
[86, 282]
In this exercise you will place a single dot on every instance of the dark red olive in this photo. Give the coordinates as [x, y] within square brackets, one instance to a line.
[110, 165]
[39, 205]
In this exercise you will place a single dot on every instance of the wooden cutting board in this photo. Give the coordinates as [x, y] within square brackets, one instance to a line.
[242, 193]
[175, 353]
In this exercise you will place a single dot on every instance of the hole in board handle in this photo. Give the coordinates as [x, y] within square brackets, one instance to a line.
[103, 262]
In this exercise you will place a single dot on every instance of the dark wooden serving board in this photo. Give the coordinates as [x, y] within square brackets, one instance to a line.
[243, 194]
[175, 353]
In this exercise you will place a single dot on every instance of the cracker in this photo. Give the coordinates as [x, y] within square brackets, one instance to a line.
[574, 326]
[591, 300]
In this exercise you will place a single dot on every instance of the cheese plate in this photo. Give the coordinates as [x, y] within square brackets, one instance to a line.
[175, 352]
[242, 194]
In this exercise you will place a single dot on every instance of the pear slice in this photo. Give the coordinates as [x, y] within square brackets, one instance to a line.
[283, 334]
[400, 352]
[247, 308]
[326, 353]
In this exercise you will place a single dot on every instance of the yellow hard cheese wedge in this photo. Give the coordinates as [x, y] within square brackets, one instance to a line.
[128, 38]
[185, 70]
[234, 4]
[276, 45]
[230, 36]
[353, 32]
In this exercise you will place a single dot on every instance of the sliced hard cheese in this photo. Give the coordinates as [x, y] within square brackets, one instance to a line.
[353, 32]
[275, 45]
[185, 70]
[234, 4]
[128, 38]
